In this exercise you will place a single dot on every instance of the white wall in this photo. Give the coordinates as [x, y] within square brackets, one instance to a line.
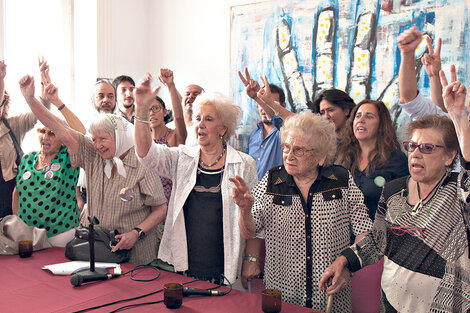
[193, 39]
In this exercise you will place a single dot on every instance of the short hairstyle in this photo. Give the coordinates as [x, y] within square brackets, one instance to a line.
[227, 110]
[387, 142]
[279, 91]
[320, 132]
[336, 97]
[104, 81]
[122, 78]
[102, 122]
[443, 125]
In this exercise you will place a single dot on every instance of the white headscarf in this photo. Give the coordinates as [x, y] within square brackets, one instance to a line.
[124, 134]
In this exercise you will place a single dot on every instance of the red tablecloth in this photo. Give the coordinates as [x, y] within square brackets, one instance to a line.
[25, 287]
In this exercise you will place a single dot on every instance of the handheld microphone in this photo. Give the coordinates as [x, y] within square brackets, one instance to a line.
[79, 279]
[202, 292]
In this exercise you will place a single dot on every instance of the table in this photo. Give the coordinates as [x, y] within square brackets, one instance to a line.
[25, 287]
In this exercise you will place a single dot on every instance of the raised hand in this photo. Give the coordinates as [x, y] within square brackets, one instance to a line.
[241, 194]
[3, 69]
[143, 92]
[251, 86]
[432, 60]
[27, 86]
[52, 94]
[409, 40]
[44, 71]
[166, 77]
[265, 92]
[454, 93]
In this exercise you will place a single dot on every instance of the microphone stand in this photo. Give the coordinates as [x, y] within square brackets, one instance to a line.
[91, 242]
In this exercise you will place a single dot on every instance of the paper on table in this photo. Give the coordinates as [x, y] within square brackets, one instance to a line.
[72, 267]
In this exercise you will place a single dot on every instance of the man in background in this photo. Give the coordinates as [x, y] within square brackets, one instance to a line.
[104, 96]
[125, 86]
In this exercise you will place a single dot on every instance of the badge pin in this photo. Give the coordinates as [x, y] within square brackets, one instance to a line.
[26, 175]
[379, 181]
[49, 175]
[55, 167]
[126, 194]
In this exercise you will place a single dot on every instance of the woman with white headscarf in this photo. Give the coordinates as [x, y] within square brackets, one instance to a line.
[121, 194]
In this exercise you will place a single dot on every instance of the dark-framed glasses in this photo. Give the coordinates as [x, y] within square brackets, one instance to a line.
[155, 109]
[297, 151]
[425, 148]
[412, 231]
[42, 131]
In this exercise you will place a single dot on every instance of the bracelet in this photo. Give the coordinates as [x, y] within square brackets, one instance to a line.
[251, 258]
[61, 107]
[142, 120]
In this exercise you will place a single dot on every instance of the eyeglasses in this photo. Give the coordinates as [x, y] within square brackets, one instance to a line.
[155, 109]
[425, 148]
[297, 151]
[42, 131]
[412, 231]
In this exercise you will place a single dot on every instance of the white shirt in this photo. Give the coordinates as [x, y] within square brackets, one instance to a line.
[180, 165]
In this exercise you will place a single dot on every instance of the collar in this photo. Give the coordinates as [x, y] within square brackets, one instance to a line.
[323, 173]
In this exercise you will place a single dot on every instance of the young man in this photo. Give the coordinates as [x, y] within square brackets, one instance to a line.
[125, 86]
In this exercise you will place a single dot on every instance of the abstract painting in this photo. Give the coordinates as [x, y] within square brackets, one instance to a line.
[306, 46]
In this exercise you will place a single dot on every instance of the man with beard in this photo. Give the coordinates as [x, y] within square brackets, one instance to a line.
[124, 86]
[264, 144]
[104, 96]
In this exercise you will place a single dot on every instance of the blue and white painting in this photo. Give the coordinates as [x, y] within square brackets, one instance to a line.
[306, 46]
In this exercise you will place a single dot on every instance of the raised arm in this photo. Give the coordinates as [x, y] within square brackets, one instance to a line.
[432, 66]
[166, 77]
[3, 73]
[407, 42]
[143, 99]
[265, 95]
[454, 100]
[67, 135]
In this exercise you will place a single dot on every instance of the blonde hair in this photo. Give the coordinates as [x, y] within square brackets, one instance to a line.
[320, 132]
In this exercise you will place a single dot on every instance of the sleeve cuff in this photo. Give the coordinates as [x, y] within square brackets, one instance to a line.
[354, 263]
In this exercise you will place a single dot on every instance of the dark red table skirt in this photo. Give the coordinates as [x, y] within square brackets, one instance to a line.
[25, 287]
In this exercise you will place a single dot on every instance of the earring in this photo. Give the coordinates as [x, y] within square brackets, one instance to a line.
[221, 137]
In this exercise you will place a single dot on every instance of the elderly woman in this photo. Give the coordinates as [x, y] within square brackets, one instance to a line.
[121, 194]
[12, 131]
[304, 210]
[335, 105]
[201, 235]
[46, 181]
[421, 224]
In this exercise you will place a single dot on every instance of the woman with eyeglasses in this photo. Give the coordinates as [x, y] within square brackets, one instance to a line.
[12, 129]
[45, 193]
[421, 224]
[201, 238]
[304, 210]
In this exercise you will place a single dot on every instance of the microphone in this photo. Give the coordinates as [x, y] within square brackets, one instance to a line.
[202, 292]
[79, 279]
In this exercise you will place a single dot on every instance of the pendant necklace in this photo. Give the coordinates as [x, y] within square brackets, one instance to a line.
[417, 207]
[46, 170]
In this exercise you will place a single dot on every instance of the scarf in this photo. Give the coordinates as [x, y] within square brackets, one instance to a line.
[124, 139]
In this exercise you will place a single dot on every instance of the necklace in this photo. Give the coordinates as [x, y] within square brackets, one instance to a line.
[213, 163]
[417, 207]
[46, 166]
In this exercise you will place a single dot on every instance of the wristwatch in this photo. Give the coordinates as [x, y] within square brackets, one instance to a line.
[140, 232]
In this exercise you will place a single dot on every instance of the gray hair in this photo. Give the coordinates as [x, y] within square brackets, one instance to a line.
[227, 110]
[102, 122]
[319, 131]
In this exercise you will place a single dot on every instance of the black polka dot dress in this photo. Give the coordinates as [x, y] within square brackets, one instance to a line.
[304, 237]
[47, 196]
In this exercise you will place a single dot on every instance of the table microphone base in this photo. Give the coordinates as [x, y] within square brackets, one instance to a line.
[98, 271]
